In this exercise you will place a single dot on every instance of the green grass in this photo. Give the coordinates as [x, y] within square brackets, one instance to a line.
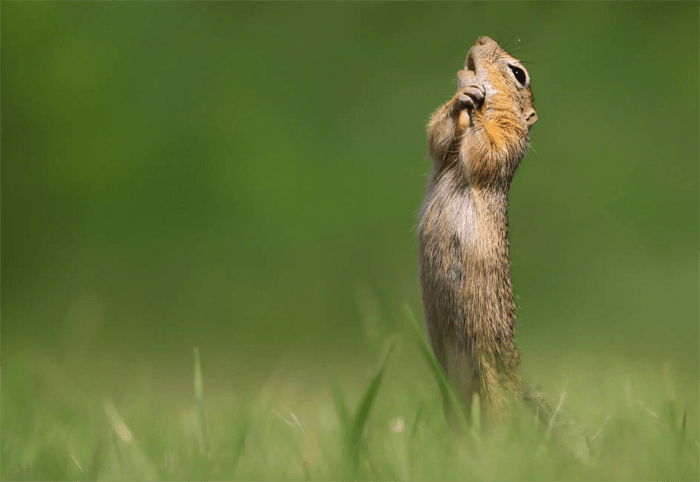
[388, 427]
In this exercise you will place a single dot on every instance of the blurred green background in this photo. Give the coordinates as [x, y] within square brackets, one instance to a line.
[246, 177]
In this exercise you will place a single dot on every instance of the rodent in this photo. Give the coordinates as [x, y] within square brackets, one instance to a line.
[476, 142]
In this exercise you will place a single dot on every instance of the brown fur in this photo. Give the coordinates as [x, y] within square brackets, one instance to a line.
[476, 141]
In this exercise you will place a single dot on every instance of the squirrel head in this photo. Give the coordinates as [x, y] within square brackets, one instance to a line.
[499, 128]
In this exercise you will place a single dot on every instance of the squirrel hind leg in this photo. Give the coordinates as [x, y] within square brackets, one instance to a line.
[462, 375]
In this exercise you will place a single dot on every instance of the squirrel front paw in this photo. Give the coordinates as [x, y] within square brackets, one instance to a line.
[470, 97]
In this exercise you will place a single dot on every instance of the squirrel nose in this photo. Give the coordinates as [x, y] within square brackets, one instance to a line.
[483, 40]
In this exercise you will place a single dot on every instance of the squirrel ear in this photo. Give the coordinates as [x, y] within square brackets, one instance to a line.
[530, 117]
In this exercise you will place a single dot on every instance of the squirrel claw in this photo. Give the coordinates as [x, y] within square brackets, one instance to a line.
[470, 97]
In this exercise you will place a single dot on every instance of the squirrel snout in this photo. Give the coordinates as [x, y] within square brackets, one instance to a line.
[475, 52]
[531, 117]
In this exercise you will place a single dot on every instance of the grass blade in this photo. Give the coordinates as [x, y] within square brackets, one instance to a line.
[476, 413]
[550, 426]
[681, 433]
[446, 390]
[199, 400]
[683, 423]
[238, 447]
[341, 407]
[363, 411]
[134, 464]
[669, 414]
[414, 430]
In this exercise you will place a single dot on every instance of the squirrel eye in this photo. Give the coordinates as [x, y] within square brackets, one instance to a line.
[519, 74]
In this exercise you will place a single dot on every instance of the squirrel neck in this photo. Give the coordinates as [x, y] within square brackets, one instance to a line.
[484, 209]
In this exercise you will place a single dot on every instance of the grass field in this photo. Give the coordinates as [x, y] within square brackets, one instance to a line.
[377, 419]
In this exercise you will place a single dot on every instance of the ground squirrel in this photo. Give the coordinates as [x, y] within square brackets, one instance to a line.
[476, 141]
